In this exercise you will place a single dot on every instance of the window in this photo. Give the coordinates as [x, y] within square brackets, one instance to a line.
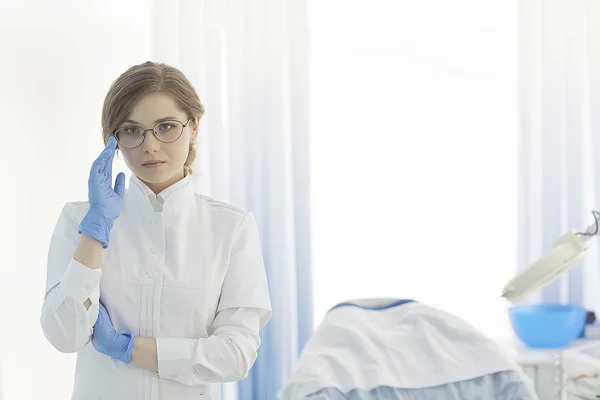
[414, 124]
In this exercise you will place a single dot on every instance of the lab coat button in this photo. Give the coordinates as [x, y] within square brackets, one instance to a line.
[88, 287]
[154, 250]
[151, 274]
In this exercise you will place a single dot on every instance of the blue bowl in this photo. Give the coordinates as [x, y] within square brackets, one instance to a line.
[547, 326]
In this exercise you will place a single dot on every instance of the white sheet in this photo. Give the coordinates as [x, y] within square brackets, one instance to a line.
[409, 346]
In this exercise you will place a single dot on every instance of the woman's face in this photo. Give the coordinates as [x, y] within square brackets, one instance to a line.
[156, 163]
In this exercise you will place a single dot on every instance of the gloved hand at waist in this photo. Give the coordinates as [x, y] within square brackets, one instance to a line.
[108, 341]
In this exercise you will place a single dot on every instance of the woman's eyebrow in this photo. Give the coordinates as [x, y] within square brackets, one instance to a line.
[158, 120]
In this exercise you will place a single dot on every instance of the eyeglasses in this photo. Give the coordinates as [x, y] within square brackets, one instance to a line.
[131, 136]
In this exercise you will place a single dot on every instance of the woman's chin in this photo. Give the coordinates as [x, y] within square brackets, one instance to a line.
[154, 175]
[159, 175]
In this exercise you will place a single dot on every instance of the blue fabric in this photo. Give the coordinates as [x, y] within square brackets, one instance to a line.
[377, 308]
[507, 385]
[272, 180]
[290, 289]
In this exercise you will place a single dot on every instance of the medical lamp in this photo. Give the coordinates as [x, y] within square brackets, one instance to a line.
[563, 255]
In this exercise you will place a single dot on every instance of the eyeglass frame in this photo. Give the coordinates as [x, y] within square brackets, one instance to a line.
[183, 126]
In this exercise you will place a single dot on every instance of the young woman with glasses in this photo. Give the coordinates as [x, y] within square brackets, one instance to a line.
[161, 291]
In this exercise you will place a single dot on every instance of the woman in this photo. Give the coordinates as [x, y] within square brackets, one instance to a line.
[161, 291]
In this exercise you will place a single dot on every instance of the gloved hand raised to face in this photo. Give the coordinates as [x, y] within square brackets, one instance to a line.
[108, 341]
[105, 202]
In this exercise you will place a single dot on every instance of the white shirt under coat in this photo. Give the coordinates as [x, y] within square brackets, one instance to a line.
[181, 268]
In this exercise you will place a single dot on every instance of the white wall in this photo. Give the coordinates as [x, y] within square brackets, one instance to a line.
[57, 60]
[414, 150]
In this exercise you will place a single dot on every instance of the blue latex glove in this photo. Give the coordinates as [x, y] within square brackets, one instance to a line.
[105, 203]
[108, 341]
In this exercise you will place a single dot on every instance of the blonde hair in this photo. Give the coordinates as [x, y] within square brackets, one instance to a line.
[141, 80]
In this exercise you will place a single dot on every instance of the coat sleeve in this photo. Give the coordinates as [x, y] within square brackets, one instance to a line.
[230, 351]
[65, 321]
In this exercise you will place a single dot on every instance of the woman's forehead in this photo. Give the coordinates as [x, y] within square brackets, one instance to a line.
[154, 107]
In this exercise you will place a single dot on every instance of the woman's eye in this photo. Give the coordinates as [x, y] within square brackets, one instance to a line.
[132, 130]
[165, 126]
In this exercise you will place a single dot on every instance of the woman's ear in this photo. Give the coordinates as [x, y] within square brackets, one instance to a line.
[196, 125]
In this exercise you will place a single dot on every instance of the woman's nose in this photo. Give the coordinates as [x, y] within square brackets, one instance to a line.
[151, 143]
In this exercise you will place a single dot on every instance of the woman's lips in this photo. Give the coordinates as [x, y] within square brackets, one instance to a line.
[153, 164]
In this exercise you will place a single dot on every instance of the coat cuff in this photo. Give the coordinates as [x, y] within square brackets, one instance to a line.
[79, 281]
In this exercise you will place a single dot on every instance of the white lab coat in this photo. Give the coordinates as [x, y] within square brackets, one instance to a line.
[181, 268]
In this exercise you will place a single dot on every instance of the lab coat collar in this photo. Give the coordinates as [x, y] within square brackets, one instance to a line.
[170, 201]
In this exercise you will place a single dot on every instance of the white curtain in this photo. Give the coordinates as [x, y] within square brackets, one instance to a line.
[248, 60]
[560, 137]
